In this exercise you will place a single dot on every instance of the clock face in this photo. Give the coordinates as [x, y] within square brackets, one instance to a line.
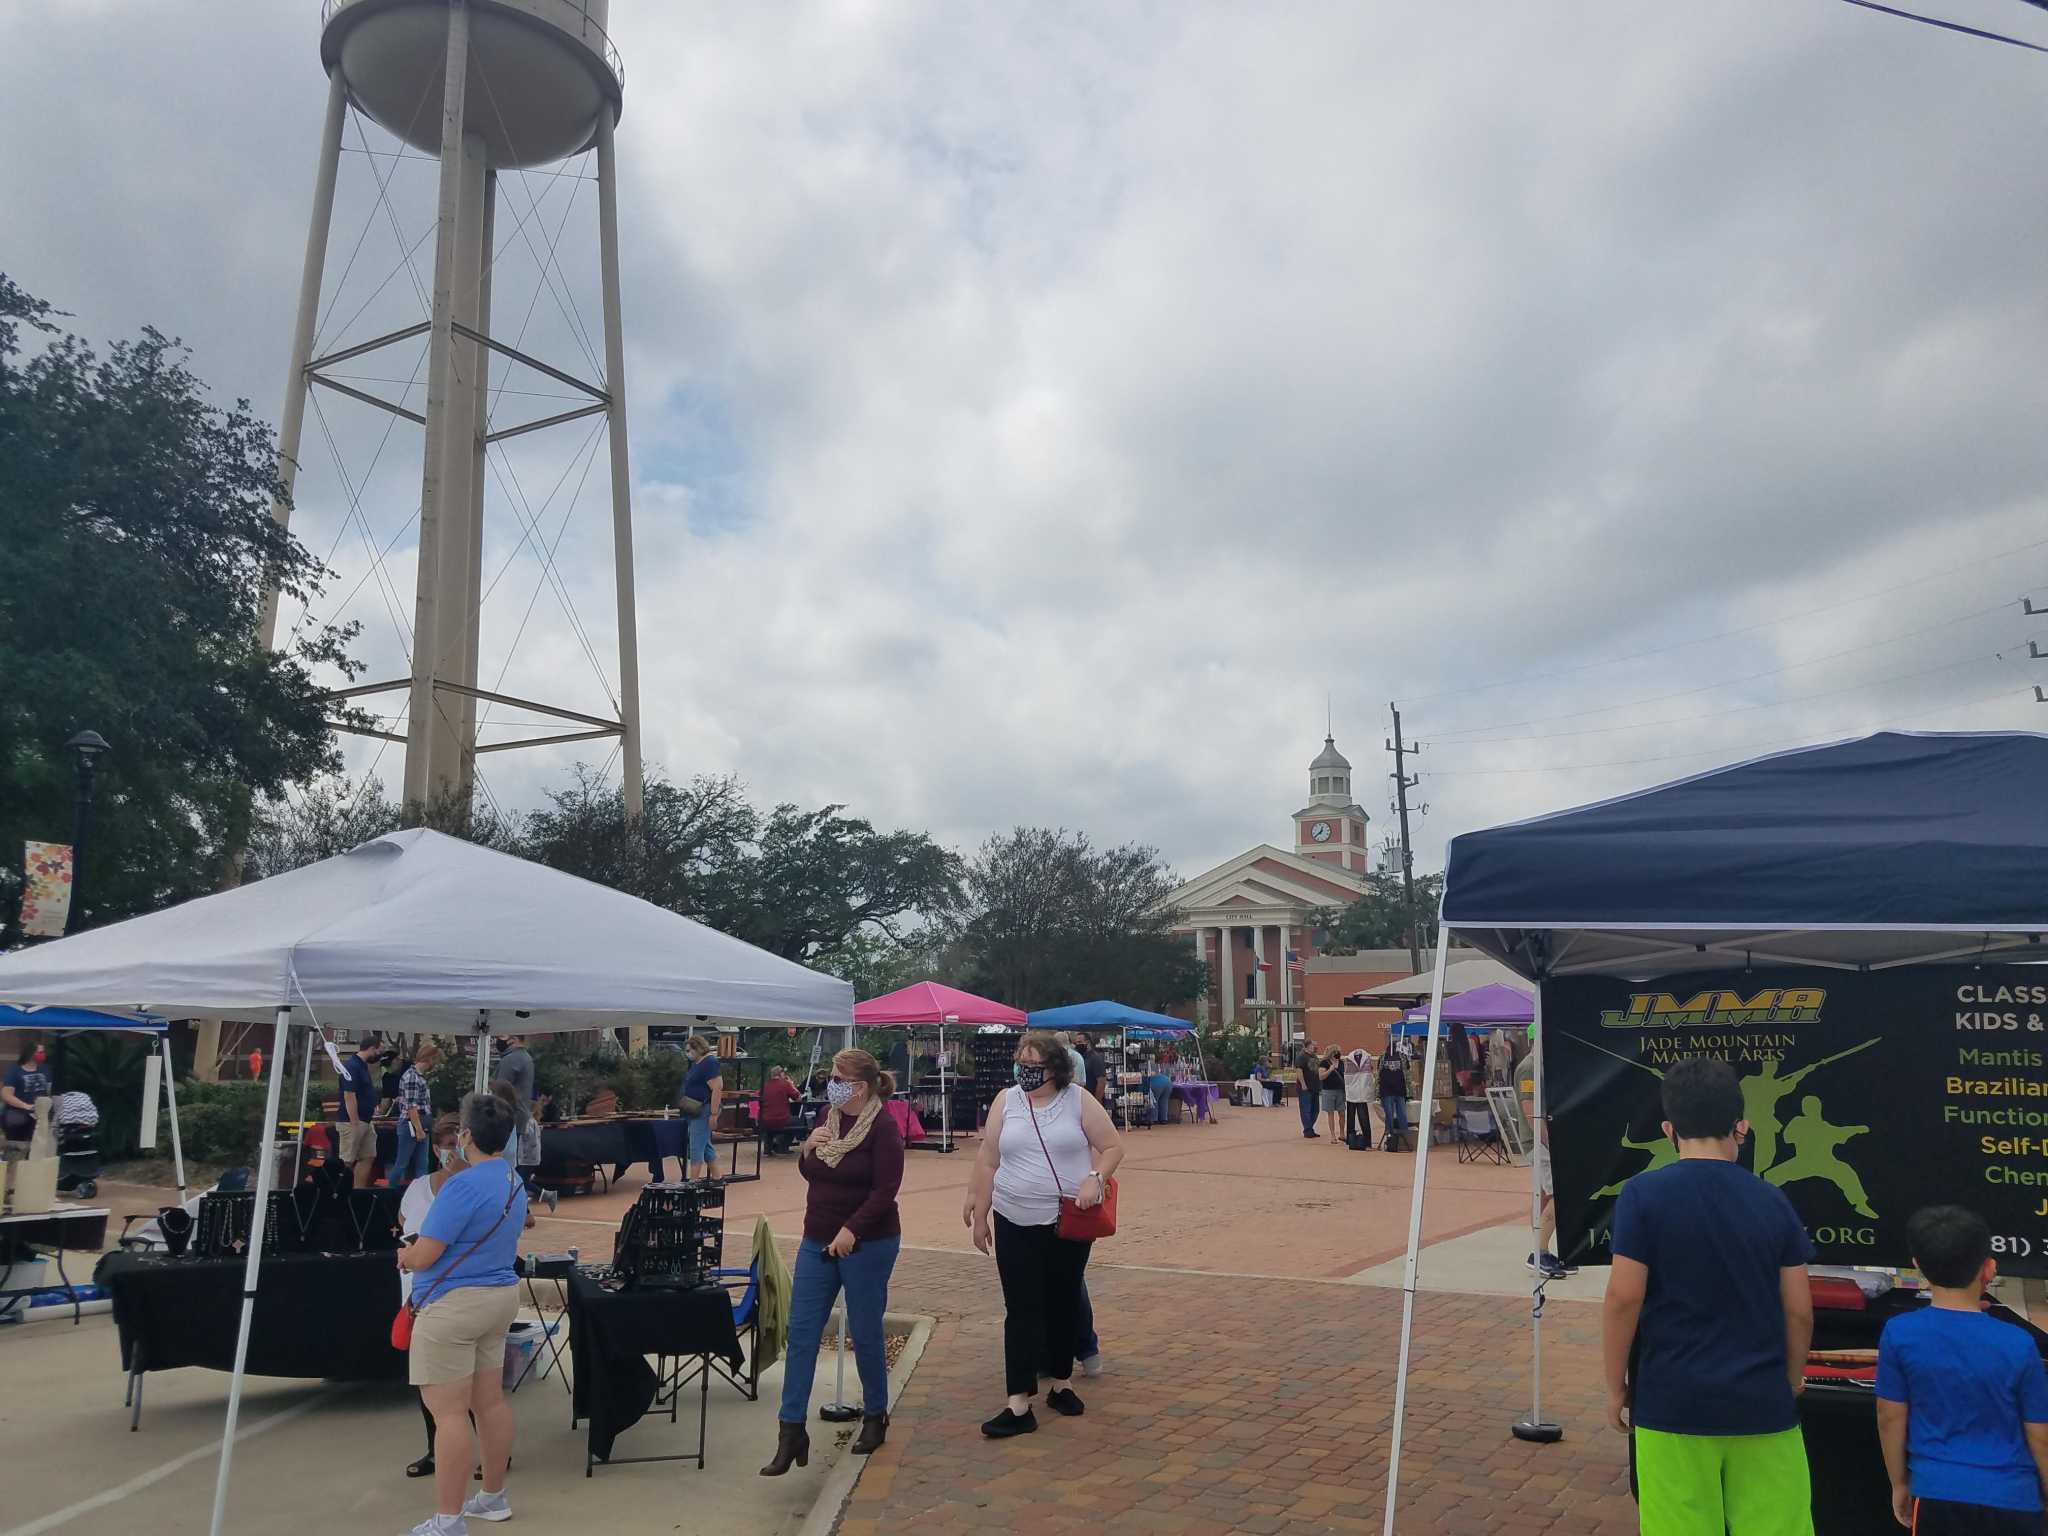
[1320, 831]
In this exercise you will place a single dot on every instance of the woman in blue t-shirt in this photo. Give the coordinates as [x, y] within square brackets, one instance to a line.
[463, 1279]
[703, 1087]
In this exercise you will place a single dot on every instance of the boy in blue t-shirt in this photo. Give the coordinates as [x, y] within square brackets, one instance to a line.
[1962, 1399]
[1709, 1295]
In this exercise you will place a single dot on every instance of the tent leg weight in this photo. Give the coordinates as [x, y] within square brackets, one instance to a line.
[1539, 1434]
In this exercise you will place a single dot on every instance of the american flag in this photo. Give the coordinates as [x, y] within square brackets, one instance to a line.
[1294, 962]
[1263, 963]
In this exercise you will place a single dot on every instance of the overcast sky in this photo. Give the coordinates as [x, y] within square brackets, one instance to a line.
[1039, 410]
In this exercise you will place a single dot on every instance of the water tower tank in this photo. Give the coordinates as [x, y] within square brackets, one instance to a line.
[540, 71]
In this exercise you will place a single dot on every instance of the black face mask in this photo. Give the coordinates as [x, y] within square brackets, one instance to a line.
[1030, 1077]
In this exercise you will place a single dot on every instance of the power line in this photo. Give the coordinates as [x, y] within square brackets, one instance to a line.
[1950, 26]
[1727, 634]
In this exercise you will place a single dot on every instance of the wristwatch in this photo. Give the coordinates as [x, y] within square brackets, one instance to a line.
[1094, 1173]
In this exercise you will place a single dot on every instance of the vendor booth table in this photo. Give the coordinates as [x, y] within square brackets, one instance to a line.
[1832, 921]
[318, 1316]
[74, 1227]
[611, 1335]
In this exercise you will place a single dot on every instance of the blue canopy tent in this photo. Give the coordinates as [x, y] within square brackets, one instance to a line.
[157, 1072]
[1134, 1023]
[1889, 850]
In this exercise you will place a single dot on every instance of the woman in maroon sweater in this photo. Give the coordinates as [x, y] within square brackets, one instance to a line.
[854, 1162]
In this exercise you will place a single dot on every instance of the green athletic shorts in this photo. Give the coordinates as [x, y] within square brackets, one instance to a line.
[1723, 1485]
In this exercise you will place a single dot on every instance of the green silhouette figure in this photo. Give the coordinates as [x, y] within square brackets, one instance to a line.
[1814, 1142]
[1763, 1091]
[1663, 1152]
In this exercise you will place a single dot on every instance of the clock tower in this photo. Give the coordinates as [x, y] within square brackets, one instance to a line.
[1331, 828]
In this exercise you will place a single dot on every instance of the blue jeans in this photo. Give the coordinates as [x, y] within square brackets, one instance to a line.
[1395, 1108]
[1162, 1096]
[697, 1140]
[1309, 1095]
[865, 1274]
[411, 1161]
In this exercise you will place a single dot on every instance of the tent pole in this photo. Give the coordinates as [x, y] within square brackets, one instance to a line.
[483, 1053]
[252, 1265]
[1436, 1010]
[1533, 1428]
[837, 1411]
[305, 1088]
[171, 1090]
[945, 1093]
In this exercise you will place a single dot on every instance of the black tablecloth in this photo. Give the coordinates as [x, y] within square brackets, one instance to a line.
[615, 1143]
[321, 1315]
[611, 1333]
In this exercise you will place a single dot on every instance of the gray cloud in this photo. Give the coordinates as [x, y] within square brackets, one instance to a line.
[1037, 411]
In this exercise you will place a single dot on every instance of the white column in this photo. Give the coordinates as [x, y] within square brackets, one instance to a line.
[622, 473]
[1259, 990]
[1229, 975]
[1201, 958]
[423, 726]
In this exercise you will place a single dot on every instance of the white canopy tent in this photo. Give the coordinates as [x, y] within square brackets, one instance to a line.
[416, 931]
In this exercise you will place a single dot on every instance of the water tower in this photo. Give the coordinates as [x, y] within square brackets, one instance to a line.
[480, 85]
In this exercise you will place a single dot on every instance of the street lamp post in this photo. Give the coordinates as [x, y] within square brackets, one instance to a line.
[87, 747]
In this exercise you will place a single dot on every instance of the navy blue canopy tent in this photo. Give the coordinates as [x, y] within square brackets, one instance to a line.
[1889, 850]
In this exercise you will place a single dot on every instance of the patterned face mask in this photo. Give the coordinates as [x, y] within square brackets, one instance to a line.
[1030, 1076]
[839, 1094]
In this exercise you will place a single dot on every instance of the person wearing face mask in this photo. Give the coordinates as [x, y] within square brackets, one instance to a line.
[853, 1163]
[704, 1087]
[1046, 1139]
[27, 1080]
[463, 1267]
[412, 1212]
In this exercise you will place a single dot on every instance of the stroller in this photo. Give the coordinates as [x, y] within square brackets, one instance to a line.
[78, 1146]
[78, 1161]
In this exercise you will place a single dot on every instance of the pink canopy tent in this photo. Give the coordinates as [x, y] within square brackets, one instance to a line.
[929, 1003]
[933, 1002]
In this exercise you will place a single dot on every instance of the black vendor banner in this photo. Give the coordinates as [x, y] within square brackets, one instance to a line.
[1868, 1096]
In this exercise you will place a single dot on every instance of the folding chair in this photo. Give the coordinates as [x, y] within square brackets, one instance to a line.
[1477, 1136]
[746, 1318]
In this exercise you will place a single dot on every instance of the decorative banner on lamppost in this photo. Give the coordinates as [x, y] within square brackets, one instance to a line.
[46, 895]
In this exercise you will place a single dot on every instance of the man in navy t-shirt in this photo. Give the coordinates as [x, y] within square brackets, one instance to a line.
[1709, 1292]
[1962, 1399]
[355, 1136]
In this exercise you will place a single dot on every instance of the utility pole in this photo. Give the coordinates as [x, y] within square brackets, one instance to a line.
[1402, 784]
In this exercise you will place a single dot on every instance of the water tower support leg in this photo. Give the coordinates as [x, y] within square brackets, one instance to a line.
[622, 475]
[420, 732]
[291, 420]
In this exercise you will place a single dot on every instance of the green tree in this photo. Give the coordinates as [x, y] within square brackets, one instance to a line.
[1379, 919]
[1051, 919]
[814, 879]
[679, 853]
[135, 517]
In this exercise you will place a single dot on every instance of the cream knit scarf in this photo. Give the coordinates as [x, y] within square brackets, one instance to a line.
[844, 1141]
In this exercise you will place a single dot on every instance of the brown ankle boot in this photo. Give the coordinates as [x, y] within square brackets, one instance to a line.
[874, 1429]
[792, 1444]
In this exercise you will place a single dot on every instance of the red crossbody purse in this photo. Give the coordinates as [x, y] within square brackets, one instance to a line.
[1075, 1224]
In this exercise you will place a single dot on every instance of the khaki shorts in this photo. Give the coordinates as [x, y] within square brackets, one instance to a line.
[461, 1333]
[356, 1143]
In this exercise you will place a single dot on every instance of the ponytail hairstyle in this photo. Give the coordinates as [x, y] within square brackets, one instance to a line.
[862, 1067]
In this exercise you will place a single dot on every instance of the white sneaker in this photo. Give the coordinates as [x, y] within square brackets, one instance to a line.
[1092, 1366]
[488, 1506]
[441, 1525]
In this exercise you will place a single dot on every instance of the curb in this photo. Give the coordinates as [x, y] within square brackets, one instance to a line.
[845, 1473]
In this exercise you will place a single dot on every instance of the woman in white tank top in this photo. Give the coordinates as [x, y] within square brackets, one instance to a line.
[1046, 1138]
